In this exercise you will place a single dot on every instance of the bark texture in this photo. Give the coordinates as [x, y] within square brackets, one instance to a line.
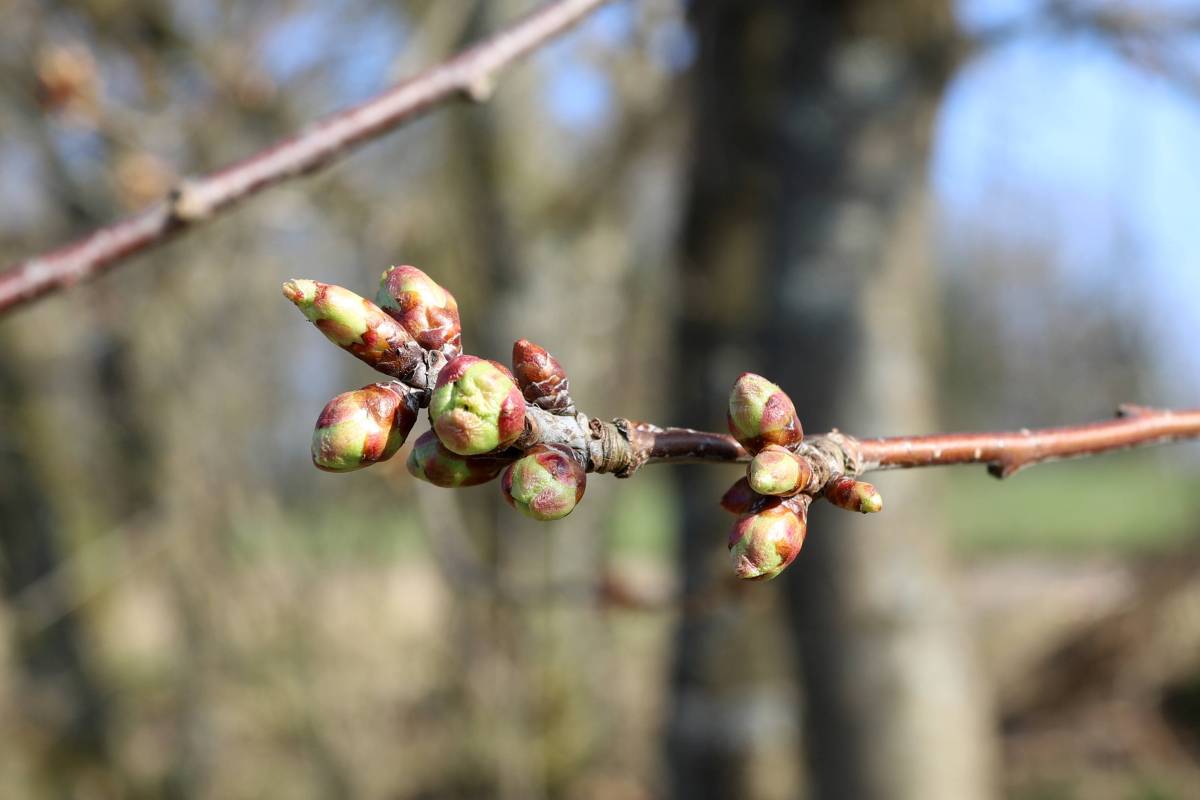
[812, 133]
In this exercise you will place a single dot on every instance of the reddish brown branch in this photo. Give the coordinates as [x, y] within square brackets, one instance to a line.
[683, 445]
[1008, 451]
[468, 75]
[1004, 452]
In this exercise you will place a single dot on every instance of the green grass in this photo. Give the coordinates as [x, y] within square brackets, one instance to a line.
[328, 534]
[1128, 502]
[645, 516]
[1124, 503]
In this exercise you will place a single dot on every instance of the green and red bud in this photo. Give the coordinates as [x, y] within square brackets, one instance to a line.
[760, 413]
[476, 406]
[740, 498]
[357, 325]
[778, 471]
[853, 495]
[763, 544]
[423, 307]
[431, 461]
[359, 428]
[541, 378]
[545, 484]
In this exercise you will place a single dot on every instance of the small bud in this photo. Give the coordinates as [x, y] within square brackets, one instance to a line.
[779, 472]
[760, 413]
[853, 495]
[357, 325]
[426, 310]
[545, 484]
[431, 461]
[764, 544]
[357, 429]
[542, 380]
[740, 499]
[67, 80]
[476, 406]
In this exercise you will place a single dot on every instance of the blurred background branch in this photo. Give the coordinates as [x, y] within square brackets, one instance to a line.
[470, 75]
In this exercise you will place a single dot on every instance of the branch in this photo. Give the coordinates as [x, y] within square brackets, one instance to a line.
[1007, 452]
[523, 426]
[414, 335]
[1004, 452]
[470, 75]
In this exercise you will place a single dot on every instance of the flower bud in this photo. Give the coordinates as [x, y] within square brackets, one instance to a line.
[542, 380]
[778, 471]
[431, 461]
[760, 413]
[853, 495]
[545, 484]
[426, 310]
[476, 406]
[357, 429]
[764, 544]
[357, 325]
[740, 498]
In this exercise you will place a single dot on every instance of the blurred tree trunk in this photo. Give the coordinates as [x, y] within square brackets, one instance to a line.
[807, 222]
[726, 227]
[65, 705]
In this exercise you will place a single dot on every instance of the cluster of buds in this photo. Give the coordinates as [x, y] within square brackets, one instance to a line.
[369, 425]
[772, 500]
[477, 407]
[488, 422]
[416, 324]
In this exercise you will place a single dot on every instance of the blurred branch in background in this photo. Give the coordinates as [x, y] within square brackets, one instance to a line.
[470, 75]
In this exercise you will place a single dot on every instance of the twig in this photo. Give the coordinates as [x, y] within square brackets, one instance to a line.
[1010, 451]
[469, 75]
[623, 446]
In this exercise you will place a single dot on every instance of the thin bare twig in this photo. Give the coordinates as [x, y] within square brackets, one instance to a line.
[1009, 451]
[470, 75]
[623, 446]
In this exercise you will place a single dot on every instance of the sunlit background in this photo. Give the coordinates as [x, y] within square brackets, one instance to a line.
[915, 215]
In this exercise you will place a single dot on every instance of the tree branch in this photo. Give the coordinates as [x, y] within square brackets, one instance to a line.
[1004, 452]
[487, 420]
[469, 75]
[1007, 452]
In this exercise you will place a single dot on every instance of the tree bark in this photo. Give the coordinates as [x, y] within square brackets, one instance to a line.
[62, 698]
[723, 255]
[812, 133]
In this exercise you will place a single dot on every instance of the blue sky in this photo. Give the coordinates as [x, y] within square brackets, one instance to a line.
[1099, 158]
[1098, 161]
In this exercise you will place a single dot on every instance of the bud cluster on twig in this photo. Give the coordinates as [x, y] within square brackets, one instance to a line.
[782, 479]
[523, 427]
[477, 408]
[484, 421]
